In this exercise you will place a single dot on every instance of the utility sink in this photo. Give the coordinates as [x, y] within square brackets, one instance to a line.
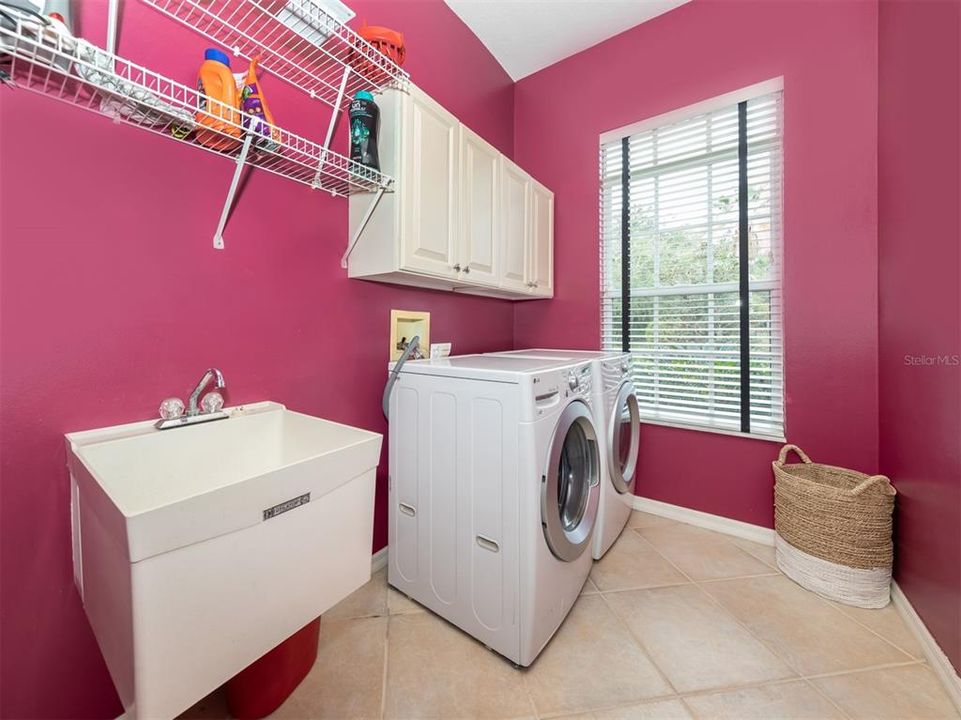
[198, 549]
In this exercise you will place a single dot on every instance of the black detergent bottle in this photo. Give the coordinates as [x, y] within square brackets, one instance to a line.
[364, 118]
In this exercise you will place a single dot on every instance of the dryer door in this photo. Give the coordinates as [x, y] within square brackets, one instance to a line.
[624, 431]
[570, 487]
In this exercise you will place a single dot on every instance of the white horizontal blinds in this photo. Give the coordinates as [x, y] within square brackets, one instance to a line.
[685, 331]
[610, 251]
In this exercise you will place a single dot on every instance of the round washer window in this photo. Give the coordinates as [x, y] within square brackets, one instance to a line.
[576, 472]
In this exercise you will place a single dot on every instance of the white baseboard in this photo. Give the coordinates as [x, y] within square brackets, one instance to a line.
[378, 560]
[720, 524]
[932, 651]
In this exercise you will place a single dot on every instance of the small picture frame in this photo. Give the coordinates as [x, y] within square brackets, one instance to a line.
[405, 324]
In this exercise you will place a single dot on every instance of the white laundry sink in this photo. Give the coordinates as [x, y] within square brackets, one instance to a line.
[197, 550]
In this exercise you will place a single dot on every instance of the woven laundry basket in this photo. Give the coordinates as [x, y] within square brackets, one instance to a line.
[834, 530]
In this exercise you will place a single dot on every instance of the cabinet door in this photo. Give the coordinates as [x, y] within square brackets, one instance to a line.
[430, 192]
[515, 226]
[479, 234]
[541, 266]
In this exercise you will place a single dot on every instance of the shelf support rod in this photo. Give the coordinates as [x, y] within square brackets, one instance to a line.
[360, 228]
[330, 126]
[235, 181]
[113, 9]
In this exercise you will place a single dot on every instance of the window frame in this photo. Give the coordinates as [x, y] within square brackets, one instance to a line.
[623, 134]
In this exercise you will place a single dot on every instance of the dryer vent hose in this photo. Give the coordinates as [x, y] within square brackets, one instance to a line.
[405, 356]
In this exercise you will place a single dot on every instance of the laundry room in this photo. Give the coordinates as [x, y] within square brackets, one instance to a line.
[480, 359]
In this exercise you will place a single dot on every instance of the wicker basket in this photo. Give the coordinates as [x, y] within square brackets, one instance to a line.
[834, 530]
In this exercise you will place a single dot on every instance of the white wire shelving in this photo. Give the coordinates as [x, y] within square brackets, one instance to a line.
[40, 59]
[296, 40]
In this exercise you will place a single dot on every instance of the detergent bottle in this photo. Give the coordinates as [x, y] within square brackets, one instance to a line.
[254, 104]
[364, 116]
[218, 116]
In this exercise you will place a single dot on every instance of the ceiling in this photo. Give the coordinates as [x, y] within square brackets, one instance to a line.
[528, 35]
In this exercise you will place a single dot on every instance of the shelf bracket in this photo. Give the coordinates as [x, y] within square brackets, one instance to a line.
[113, 10]
[330, 126]
[235, 181]
[360, 228]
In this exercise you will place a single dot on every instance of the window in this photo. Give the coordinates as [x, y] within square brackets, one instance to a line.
[691, 261]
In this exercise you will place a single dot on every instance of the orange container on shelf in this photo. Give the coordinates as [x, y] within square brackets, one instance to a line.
[218, 114]
[387, 42]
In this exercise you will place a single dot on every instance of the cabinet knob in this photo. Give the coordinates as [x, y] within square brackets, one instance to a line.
[467, 268]
[457, 267]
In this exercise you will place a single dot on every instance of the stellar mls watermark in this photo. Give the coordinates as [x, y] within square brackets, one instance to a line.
[932, 360]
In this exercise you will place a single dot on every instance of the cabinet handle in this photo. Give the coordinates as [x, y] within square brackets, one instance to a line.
[466, 269]
[457, 267]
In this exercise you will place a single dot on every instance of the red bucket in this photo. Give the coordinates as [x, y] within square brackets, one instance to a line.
[262, 687]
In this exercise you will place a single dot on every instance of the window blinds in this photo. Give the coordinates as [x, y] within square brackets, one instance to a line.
[700, 230]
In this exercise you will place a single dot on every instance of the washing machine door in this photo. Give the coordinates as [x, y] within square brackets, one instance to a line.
[570, 486]
[624, 433]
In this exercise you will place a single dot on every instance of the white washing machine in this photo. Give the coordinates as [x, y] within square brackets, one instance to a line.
[618, 429]
[494, 486]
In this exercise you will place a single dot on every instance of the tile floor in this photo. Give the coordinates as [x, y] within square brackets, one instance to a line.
[675, 622]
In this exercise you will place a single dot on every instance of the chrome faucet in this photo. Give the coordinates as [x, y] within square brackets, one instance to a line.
[177, 417]
[211, 374]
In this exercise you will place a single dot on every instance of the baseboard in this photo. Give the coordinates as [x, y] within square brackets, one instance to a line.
[378, 560]
[932, 651]
[720, 524]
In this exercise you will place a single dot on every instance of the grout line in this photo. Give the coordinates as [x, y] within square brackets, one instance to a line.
[383, 683]
[662, 555]
[869, 668]
[873, 631]
[827, 697]
[615, 706]
[711, 581]
[639, 643]
[770, 647]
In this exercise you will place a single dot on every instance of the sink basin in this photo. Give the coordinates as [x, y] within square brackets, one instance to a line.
[198, 549]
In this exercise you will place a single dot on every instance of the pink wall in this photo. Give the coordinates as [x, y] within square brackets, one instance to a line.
[112, 299]
[827, 54]
[920, 272]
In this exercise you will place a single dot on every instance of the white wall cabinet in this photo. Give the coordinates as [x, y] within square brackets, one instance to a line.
[461, 217]
[479, 205]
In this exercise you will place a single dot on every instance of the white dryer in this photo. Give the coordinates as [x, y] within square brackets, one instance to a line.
[494, 486]
[618, 428]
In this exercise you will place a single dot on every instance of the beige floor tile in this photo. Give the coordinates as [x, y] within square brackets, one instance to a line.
[696, 643]
[292, 709]
[657, 710]
[436, 671]
[589, 588]
[642, 519]
[764, 553]
[896, 693]
[702, 554]
[592, 662]
[784, 701]
[398, 603]
[346, 682]
[802, 628]
[633, 563]
[369, 600]
[887, 623]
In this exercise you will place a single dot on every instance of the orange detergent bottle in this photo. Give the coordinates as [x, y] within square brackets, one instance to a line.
[218, 116]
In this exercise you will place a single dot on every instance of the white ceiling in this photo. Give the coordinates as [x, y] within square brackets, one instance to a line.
[528, 35]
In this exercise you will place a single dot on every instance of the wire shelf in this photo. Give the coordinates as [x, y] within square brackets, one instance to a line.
[297, 40]
[38, 58]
